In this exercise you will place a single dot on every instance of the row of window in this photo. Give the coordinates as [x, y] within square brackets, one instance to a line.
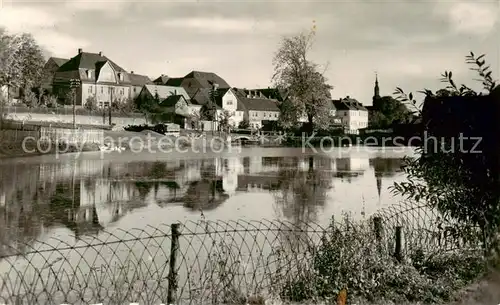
[119, 74]
[265, 114]
[120, 91]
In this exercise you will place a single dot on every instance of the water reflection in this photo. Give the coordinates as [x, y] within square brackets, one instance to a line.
[86, 196]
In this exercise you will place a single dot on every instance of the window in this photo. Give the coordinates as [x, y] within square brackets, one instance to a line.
[264, 114]
[90, 89]
[122, 91]
[229, 102]
[275, 115]
[102, 89]
[134, 89]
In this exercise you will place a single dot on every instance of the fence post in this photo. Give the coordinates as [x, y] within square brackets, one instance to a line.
[172, 272]
[399, 244]
[377, 225]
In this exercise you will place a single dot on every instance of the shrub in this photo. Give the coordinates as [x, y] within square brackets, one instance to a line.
[91, 103]
[349, 258]
[245, 124]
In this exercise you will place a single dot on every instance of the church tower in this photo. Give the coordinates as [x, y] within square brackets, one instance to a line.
[376, 90]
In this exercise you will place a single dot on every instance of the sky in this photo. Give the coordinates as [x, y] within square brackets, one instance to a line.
[407, 43]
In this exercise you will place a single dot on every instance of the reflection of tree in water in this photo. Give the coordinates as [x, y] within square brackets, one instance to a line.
[301, 193]
[144, 188]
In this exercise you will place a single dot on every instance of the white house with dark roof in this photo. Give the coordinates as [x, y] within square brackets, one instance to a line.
[353, 114]
[99, 77]
[228, 100]
[256, 107]
[138, 81]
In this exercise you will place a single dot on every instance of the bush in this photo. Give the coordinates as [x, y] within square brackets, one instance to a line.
[349, 258]
[245, 124]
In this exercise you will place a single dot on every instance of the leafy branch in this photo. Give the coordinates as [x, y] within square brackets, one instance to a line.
[484, 71]
[479, 65]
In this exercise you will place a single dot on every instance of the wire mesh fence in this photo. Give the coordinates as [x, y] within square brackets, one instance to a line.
[205, 262]
[421, 227]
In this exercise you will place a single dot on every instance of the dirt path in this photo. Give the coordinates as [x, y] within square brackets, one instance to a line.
[484, 292]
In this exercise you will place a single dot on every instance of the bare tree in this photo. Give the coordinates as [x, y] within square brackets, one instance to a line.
[308, 91]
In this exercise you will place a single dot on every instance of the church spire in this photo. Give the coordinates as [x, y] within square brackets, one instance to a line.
[376, 90]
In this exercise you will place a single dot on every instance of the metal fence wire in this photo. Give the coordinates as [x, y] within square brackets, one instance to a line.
[205, 262]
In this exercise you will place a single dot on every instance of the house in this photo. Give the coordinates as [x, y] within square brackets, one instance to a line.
[229, 100]
[353, 114]
[51, 66]
[99, 77]
[150, 91]
[177, 109]
[256, 107]
[137, 82]
[194, 81]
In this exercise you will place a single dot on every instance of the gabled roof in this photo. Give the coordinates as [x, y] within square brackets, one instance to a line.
[207, 79]
[220, 94]
[174, 81]
[200, 96]
[172, 100]
[260, 104]
[139, 80]
[272, 93]
[166, 91]
[161, 80]
[59, 61]
[85, 60]
[348, 104]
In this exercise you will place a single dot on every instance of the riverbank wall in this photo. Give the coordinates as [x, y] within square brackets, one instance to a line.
[31, 140]
[119, 120]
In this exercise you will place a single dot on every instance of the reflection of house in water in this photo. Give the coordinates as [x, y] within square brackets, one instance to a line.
[271, 170]
[255, 183]
[350, 167]
[65, 208]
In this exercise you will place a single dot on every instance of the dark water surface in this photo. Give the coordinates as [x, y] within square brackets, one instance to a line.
[44, 197]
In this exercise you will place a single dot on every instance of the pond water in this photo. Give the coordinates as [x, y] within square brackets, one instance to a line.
[76, 195]
[95, 228]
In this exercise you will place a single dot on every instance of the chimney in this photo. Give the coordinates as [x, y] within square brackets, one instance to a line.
[100, 53]
[131, 72]
[80, 50]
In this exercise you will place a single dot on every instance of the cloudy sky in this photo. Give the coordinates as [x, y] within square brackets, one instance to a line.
[408, 43]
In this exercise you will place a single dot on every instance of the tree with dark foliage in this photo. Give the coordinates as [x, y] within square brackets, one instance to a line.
[459, 177]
